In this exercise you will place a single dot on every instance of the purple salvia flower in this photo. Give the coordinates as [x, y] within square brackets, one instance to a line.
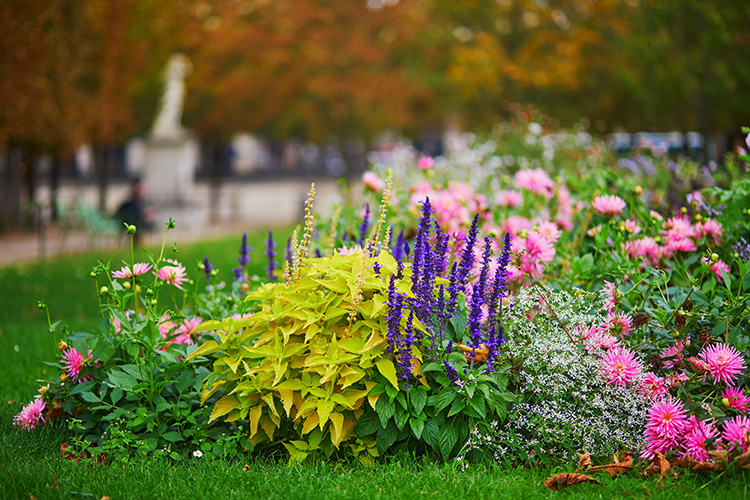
[288, 254]
[207, 268]
[477, 298]
[467, 256]
[364, 226]
[453, 289]
[393, 319]
[243, 259]
[742, 249]
[270, 245]
[440, 259]
[404, 352]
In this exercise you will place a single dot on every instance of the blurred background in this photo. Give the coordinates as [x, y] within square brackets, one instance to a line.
[275, 91]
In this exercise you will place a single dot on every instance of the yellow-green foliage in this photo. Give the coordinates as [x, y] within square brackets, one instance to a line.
[304, 363]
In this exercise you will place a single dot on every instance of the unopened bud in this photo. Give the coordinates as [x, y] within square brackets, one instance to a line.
[126, 285]
[62, 345]
[698, 217]
[638, 190]
[131, 229]
[92, 274]
[714, 257]
[725, 401]
[103, 290]
[154, 302]
[63, 377]
[683, 210]
[245, 287]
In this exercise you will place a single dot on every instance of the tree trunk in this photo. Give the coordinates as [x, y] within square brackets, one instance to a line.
[101, 165]
[28, 167]
[54, 188]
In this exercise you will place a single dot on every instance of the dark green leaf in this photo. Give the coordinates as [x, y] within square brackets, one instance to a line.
[401, 416]
[447, 438]
[368, 423]
[386, 437]
[431, 433]
[384, 408]
[417, 427]
[418, 399]
[444, 399]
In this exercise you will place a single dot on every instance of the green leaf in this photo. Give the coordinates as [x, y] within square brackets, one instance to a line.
[115, 395]
[456, 407]
[447, 438]
[385, 409]
[90, 397]
[418, 399]
[172, 436]
[121, 380]
[478, 405]
[388, 370]
[417, 427]
[368, 423]
[430, 433]
[401, 416]
[386, 437]
[444, 399]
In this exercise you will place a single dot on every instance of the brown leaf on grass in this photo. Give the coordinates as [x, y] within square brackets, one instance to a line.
[658, 465]
[105, 497]
[721, 459]
[742, 461]
[688, 462]
[617, 467]
[246, 468]
[563, 480]
[584, 461]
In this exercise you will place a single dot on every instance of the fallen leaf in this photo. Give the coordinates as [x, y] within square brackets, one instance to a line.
[688, 462]
[616, 468]
[659, 465]
[721, 459]
[246, 468]
[565, 479]
[742, 461]
[105, 497]
[584, 461]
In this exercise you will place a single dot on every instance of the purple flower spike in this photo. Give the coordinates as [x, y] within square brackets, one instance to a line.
[243, 259]
[477, 298]
[207, 268]
[364, 226]
[270, 245]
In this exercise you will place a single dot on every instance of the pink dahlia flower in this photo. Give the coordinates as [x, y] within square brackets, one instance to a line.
[631, 227]
[537, 181]
[695, 439]
[672, 353]
[710, 229]
[724, 362]
[509, 198]
[609, 294]
[617, 323]
[426, 163]
[31, 414]
[620, 366]
[653, 386]
[667, 418]
[736, 397]
[173, 274]
[372, 181]
[717, 267]
[548, 230]
[608, 204]
[74, 361]
[138, 269]
[737, 433]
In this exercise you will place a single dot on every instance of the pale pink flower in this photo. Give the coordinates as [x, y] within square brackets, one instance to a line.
[717, 267]
[653, 386]
[372, 181]
[656, 215]
[737, 433]
[548, 230]
[678, 228]
[183, 334]
[631, 226]
[681, 245]
[677, 379]
[537, 181]
[344, 251]
[173, 274]
[539, 247]
[620, 366]
[598, 339]
[696, 437]
[608, 204]
[610, 296]
[710, 228]
[509, 198]
[737, 398]
[73, 361]
[617, 323]
[594, 230]
[515, 224]
[138, 269]
[725, 362]
[645, 247]
[426, 163]
[31, 414]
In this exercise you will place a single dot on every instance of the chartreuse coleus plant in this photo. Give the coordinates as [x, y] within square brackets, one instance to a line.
[333, 358]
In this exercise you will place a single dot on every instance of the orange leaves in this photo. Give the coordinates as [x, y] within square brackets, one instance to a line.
[565, 479]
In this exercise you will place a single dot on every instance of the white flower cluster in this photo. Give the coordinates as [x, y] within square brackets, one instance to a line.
[567, 406]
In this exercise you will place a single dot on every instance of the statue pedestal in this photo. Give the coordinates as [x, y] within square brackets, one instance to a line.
[169, 170]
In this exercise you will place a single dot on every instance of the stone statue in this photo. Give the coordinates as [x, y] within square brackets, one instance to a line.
[167, 124]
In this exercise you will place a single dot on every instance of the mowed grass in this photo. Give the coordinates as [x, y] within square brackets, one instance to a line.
[31, 465]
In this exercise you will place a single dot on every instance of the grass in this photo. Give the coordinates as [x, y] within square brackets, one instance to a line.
[31, 465]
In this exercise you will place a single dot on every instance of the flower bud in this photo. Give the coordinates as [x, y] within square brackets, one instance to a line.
[714, 257]
[638, 190]
[126, 285]
[92, 274]
[245, 287]
[725, 401]
[62, 345]
[137, 288]
[683, 210]
[675, 334]
[63, 377]
[103, 290]
[149, 291]
[154, 302]
[698, 217]
[131, 229]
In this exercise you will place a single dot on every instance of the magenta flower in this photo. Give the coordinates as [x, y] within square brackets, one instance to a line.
[608, 204]
[508, 198]
[74, 361]
[138, 269]
[609, 294]
[631, 227]
[174, 274]
[724, 362]
[673, 353]
[617, 323]
[620, 366]
[548, 230]
[696, 437]
[653, 386]
[667, 418]
[717, 267]
[737, 433]
[710, 228]
[737, 398]
[537, 181]
[30, 415]
[425, 163]
[372, 181]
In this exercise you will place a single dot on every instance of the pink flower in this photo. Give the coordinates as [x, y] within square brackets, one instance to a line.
[667, 417]
[30, 415]
[138, 269]
[608, 204]
[174, 274]
[183, 334]
[725, 362]
[656, 215]
[609, 294]
[620, 366]
[515, 224]
[676, 230]
[653, 386]
[74, 361]
[736, 397]
[631, 227]
[596, 338]
[710, 228]
[344, 251]
[672, 353]
[737, 433]
[426, 163]
[695, 439]
[645, 247]
[548, 230]
[617, 323]
[372, 181]
[509, 198]
[537, 181]
[717, 267]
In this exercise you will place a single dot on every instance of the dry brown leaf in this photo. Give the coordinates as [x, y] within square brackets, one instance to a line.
[659, 465]
[721, 459]
[105, 497]
[688, 462]
[584, 461]
[246, 468]
[742, 461]
[563, 480]
[617, 467]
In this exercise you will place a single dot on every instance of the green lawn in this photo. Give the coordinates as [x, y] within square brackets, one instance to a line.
[31, 465]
